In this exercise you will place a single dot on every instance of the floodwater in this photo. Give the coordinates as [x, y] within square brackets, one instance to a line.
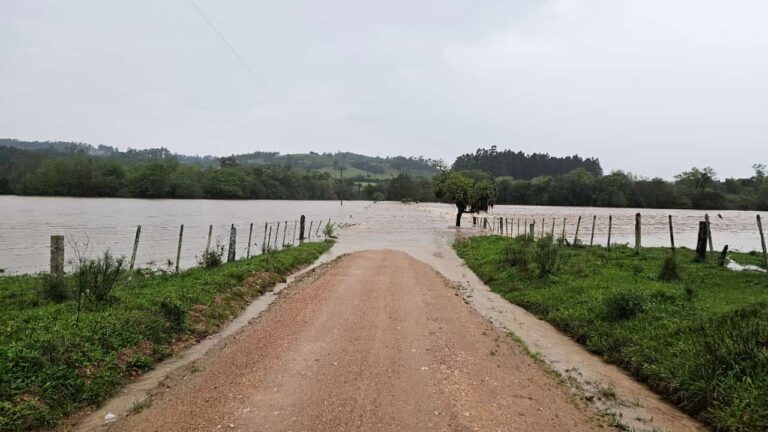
[737, 229]
[26, 224]
[98, 224]
[426, 232]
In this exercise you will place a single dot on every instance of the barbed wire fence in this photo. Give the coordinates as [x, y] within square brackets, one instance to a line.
[583, 230]
[161, 247]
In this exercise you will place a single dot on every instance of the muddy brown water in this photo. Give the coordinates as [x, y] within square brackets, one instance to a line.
[26, 224]
[426, 233]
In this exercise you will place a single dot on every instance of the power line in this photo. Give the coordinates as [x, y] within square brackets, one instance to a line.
[229, 45]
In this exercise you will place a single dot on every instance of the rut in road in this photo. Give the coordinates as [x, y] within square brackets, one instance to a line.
[375, 341]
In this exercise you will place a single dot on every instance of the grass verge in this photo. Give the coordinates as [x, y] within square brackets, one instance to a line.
[52, 366]
[700, 339]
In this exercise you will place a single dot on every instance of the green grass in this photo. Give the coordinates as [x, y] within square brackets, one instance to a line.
[700, 340]
[51, 366]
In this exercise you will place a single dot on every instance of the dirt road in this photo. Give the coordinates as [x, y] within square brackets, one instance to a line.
[376, 342]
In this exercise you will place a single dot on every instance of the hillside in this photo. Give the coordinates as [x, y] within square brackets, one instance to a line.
[355, 165]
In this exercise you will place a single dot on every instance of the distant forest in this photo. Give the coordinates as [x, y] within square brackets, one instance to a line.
[521, 166]
[77, 169]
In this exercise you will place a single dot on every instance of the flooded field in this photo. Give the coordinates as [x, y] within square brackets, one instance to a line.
[110, 223]
[26, 224]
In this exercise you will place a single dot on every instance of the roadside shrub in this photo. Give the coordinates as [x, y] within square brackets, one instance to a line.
[546, 255]
[518, 255]
[54, 288]
[213, 257]
[96, 278]
[173, 313]
[668, 271]
[624, 305]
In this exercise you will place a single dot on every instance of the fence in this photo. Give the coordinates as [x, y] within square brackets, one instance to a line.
[537, 228]
[276, 235]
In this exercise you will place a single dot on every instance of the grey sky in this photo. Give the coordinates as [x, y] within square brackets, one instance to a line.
[649, 86]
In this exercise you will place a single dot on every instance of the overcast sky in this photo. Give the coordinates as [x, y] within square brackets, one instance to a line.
[649, 86]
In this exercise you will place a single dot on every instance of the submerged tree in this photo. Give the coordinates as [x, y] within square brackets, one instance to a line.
[470, 195]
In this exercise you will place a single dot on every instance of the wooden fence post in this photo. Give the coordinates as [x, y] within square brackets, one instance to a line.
[269, 239]
[135, 247]
[518, 226]
[178, 250]
[576, 236]
[277, 233]
[264, 242]
[701, 243]
[671, 234]
[250, 236]
[542, 227]
[762, 241]
[293, 235]
[723, 255]
[563, 230]
[709, 233]
[57, 255]
[532, 230]
[208, 243]
[285, 232]
[501, 226]
[232, 243]
[317, 231]
[552, 234]
[610, 226]
[309, 233]
[638, 233]
[592, 237]
[525, 227]
[301, 229]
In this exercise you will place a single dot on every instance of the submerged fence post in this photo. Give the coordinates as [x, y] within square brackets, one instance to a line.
[269, 238]
[277, 233]
[57, 255]
[671, 234]
[285, 232]
[293, 234]
[301, 229]
[552, 234]
[518, 226]
[762, 241]
[709, 233]
[563, 230]
[542, 227]
[610, 226]
[232, 243]
[264, 242]
[592, 237]
[178, 250]
[208, 243]
[135, 247]
[576, 236]
[701, 242]
[722, 257]
[309, 233]
[638, 232]
[317, 230]
[250, 236]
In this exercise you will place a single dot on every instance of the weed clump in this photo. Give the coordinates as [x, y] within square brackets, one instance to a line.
[624, 305]
[546, 255]
[668, 271]
[96, 278]
[517, 255]
[54, 288]
[174, 314]
[328, 231]
[212, 257]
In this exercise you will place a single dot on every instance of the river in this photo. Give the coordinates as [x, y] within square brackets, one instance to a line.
[26, 224]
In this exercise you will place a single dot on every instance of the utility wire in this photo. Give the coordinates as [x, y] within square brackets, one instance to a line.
[229, 45]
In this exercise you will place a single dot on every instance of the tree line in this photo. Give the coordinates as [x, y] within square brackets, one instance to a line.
[521, 166]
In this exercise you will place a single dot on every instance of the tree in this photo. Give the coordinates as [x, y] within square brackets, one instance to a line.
[469, 195]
